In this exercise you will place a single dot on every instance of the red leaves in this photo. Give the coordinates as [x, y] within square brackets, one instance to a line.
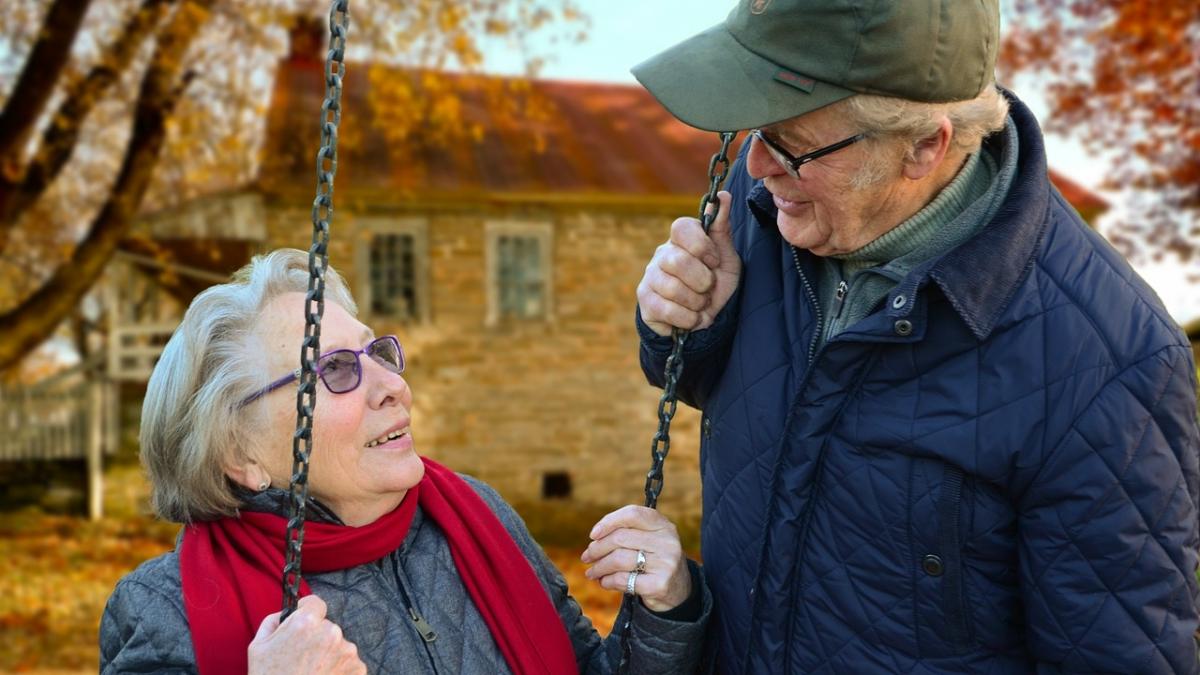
[1125, 77]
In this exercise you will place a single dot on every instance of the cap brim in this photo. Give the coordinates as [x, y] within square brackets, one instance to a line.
[712, 82]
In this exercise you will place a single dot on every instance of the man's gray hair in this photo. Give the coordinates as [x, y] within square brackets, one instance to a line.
[911, 121]
[193, 423]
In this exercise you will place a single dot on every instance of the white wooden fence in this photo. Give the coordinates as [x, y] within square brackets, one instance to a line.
[61, 417]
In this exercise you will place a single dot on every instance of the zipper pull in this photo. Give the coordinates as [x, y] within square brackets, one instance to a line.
[840, 296]
[423, 627]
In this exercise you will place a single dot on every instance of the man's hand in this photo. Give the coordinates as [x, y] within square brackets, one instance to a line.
[306, 643]
[691, 276]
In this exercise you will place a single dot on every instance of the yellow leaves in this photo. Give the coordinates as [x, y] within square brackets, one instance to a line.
[59, 572]
[497, 27]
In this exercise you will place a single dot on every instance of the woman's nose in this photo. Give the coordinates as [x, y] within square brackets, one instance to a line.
[386, 387]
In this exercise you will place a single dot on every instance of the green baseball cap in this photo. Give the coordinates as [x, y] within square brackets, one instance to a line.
[772, 60]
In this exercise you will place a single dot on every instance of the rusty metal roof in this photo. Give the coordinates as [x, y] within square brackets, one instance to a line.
[593, 139]
[601, 140]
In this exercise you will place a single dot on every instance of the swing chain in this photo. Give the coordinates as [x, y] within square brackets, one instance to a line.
[314, 307]
[718, 169]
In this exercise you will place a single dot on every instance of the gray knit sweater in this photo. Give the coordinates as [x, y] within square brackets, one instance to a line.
[144, 628]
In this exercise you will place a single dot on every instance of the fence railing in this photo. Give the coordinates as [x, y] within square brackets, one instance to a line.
[59, 418]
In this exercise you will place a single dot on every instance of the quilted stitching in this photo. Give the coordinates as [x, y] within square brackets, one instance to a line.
[1070, 408]
[144, 628]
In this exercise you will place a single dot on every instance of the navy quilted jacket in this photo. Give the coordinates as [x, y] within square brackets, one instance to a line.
[994, 472]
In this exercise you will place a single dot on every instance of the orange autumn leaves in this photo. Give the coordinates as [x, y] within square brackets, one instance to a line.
[59, 570]
[1125, 78]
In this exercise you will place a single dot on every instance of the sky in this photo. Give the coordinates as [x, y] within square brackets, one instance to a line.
[623, 33]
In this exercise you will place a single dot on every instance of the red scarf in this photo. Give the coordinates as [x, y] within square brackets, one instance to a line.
[232, 571]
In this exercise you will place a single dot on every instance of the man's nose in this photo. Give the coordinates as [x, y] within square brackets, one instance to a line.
[760, 163]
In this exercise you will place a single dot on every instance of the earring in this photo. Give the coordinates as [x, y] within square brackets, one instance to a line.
[264, 485]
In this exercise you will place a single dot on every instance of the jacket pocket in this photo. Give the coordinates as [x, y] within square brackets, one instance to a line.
[954, 607]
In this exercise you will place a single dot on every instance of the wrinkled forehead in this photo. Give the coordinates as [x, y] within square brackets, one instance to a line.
[282, 326]
[808, 130]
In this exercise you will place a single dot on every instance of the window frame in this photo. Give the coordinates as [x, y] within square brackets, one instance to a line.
[543, 233]
[369, 229]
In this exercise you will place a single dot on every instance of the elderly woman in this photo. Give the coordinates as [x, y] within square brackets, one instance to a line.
[409, 567]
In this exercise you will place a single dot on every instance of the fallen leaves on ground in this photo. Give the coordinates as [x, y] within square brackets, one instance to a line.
[59, 570]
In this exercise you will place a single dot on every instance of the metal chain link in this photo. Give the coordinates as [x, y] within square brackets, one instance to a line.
[718, 169]
[314, 306]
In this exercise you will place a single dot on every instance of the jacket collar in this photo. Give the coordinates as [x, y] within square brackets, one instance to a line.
[980, 276]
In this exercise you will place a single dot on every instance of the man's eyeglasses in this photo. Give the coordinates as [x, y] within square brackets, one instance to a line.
[341, 370]
[791, 163]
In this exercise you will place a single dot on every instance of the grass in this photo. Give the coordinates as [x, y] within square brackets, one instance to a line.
[59, 570]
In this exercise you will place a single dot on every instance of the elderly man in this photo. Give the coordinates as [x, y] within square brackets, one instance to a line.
[946, 427]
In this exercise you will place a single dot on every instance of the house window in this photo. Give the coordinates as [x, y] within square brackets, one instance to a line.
[519, 271]
[556, 485]
[521, 287]
[393, 276]
[393, 270]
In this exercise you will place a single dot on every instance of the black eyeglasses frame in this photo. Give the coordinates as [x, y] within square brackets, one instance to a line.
[792, 163]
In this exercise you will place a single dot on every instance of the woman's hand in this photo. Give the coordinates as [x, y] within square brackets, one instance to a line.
[306, 643]
[665, 582]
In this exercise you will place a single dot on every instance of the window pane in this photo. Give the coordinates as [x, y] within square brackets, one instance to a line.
[520, 287]
[393, 275]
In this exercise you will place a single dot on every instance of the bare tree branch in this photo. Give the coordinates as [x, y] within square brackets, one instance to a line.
[36, 317]
[45, 62]
[18, 192]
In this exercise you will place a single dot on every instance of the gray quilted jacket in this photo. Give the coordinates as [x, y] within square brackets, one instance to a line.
[144, 628]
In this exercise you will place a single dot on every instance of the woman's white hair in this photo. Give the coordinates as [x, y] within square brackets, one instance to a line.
[193, 423]
[909, 122]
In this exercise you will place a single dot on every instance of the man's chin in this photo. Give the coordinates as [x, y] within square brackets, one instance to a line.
[802, 233]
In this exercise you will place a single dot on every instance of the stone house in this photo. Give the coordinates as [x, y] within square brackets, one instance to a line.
[506, 266]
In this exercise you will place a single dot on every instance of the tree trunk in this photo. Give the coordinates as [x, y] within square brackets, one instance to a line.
[27, 325]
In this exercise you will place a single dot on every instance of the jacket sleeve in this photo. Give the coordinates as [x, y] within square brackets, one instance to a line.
[1108, 529]
[706, 351]
[658, 646]
[704, 355]
[144, 631]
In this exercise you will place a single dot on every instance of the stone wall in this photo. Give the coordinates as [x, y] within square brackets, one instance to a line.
[514, 401]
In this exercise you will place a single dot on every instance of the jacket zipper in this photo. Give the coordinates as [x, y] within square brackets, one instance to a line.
[840, 296]
[812, 354]
[428, 635]
[812, 298]
[423, 627]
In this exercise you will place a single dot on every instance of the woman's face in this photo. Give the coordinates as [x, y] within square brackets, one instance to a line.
[350, 469]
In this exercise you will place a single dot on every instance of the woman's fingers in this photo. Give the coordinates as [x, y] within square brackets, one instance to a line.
[307, 642]
[664, 581]
[631, 516]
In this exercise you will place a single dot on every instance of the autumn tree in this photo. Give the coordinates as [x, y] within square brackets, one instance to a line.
[1125, 78]
[111, 107]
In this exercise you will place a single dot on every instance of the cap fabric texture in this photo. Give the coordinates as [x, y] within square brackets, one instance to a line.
[771, 60]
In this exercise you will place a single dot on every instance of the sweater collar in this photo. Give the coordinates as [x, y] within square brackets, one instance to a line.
[980, 276]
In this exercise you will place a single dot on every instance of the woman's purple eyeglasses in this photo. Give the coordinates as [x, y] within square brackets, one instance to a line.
[340, 369]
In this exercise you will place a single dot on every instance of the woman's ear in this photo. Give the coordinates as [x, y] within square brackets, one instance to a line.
[928, 153]
[248, 473]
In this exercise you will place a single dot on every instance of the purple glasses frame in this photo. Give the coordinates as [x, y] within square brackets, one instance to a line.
[324, 359]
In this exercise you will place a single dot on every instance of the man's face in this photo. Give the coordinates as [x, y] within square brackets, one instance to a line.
[823, 211]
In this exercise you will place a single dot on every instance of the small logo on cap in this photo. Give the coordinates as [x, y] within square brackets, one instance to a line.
[804, 84]
[759, 6]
